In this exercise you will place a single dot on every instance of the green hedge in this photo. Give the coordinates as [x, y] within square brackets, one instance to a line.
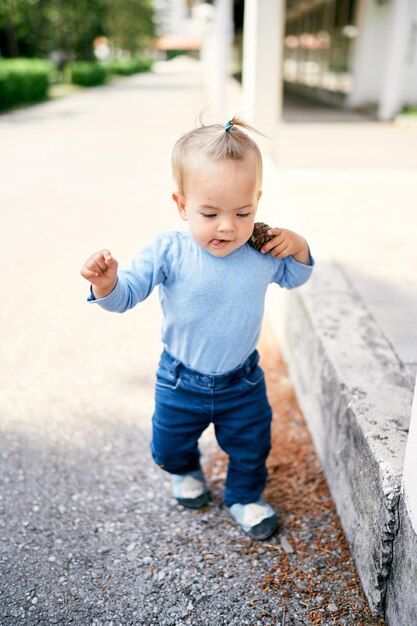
[126, 67]
[23, 81]
[409, 110]
[87, 74]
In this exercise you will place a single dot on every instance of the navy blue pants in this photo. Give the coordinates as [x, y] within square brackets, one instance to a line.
[186, 402]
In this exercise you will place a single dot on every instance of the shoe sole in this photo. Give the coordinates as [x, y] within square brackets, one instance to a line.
[264, 529]
[195, 503]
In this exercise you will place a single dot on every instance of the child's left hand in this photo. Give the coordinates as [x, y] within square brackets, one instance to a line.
[287, 243]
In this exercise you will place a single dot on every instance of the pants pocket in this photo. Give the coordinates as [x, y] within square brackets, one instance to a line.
[167, 379]
[254, 377]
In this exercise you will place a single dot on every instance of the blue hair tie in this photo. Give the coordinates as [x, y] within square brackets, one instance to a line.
[228, 126]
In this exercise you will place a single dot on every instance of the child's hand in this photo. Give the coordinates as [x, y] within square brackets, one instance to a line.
[100, 269]
[287, 243]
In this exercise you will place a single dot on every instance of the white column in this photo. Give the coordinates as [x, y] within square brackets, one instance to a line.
[177, 16]
[392, 93]
[370, 52]
[262, 63]
[410, 86]
[216, 56]
[410, 466]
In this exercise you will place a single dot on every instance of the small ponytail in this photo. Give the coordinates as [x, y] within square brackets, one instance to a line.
[216, 143]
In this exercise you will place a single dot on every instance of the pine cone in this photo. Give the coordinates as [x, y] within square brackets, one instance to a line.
[259, 235]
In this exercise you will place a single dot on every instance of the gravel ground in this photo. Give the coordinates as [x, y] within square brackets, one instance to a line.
[92, 536]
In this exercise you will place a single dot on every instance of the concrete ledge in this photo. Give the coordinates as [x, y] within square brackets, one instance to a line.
[401, 603]
[357, 400]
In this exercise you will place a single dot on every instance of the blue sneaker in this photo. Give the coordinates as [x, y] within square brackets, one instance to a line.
[258, 519]
[190, 489]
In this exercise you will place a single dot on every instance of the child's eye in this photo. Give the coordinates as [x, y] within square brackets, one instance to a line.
[208, 214]
[243, 214]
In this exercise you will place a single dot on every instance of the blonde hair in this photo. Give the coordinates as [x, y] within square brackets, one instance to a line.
[215, 144]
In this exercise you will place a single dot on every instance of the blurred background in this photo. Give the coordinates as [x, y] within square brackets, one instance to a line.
[356, 54]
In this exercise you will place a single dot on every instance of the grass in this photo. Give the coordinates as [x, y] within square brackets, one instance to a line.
[409, 111]
[60, 90]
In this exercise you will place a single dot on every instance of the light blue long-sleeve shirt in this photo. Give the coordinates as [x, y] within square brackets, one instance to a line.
[212, 306]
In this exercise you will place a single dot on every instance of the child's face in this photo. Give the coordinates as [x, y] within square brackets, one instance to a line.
[220, 204]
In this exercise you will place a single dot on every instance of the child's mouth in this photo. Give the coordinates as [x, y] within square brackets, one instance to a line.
[220, 243]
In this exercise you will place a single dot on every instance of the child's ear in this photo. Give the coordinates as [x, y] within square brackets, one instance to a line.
[179, 200]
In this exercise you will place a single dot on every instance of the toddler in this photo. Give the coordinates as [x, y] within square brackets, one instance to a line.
[212, 287]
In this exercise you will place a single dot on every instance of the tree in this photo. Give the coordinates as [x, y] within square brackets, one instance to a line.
[75, 25]
[39, 27]
[130, 24]
[13, 26]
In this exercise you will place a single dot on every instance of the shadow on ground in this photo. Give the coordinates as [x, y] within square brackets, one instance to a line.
[300, 109]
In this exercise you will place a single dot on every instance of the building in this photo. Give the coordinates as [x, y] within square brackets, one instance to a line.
[352, 53]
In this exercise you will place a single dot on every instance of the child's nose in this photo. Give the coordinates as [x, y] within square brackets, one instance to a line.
[227, 224]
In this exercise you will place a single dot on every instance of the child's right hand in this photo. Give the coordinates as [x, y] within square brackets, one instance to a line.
[100, 269]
